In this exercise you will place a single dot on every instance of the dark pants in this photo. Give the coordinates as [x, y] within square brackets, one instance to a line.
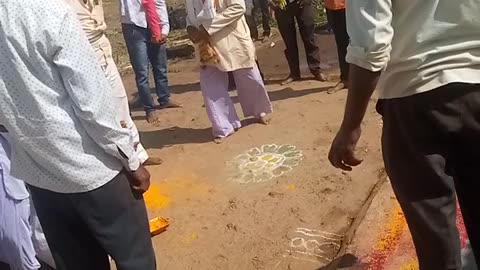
[142, 53]
[337, 20]
[305, 20]
[252, 23]
[83, 228]
[431, 148]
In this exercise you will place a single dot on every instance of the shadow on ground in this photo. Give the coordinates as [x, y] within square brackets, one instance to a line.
[172, 136]
[344, 262]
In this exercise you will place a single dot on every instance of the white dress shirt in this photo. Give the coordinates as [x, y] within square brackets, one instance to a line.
[132, 12]
[56, 102]
[419, 45]
[90, 15]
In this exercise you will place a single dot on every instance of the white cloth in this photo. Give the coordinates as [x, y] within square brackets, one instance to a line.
[16, 246]
[228, 30]
[56, 102]
[91, 16]
[200, 12]
[132, 12]
[419, 45]
[14, 188]
[103, 51]
[20, 230]
[38, 239]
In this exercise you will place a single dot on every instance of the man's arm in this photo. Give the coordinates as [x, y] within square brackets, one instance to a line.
[235, 10]
[90, 92]
[371, 33]
[153, 20]
[162, 12]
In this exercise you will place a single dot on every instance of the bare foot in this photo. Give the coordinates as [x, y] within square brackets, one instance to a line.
[340, 86]
[320, 76]
[219, 140]
[152, 118]
[290, 79]
[171, 104]
[152, 161]
[263, 119]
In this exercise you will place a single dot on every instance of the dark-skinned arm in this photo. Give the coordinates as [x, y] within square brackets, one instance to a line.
[371, 33]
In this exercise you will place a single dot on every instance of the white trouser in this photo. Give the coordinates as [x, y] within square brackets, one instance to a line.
[103, 51]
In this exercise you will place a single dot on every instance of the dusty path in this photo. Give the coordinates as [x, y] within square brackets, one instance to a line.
[295, 221]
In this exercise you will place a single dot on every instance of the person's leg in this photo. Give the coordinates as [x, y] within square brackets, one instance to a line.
[38, 238]
[337, 19]
[260, 70]
[252, 94]
[267, 30]
[306, 25]
[467, 153]
[157, 53]
[219, 105]
[251, 9]
[103, 51]
[117, 219]
[136, 40]
[417, 153]
[288, 31]
[16, 248]
[71, 242]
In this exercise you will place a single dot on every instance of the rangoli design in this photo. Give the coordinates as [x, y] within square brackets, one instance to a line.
[265, 163]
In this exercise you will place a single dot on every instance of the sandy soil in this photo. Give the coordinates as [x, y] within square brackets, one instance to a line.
[295, 221]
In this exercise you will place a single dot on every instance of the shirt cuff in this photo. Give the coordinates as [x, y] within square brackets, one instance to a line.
[375, 62]
[133, 163]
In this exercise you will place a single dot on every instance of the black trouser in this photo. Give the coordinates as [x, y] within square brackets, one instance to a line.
[252, 23]
[337, 20]
[305, 20]
[431, 148]
[82, 229]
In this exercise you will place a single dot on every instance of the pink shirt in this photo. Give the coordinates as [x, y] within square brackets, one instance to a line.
[152, 18]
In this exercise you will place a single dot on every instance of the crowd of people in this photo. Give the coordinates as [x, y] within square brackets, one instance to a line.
[72, 165]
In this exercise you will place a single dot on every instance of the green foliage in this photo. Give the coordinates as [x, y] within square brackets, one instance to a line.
[320, 16]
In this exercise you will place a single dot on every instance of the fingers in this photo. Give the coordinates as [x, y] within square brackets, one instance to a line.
[142, 188]
[335, 158]
[343, 159]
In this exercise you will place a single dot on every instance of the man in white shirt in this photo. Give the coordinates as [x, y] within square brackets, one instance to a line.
[92, 20]
[144, 50]
[83, 172]
[426, 56]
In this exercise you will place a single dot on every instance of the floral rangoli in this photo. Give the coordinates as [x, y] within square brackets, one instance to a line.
[264, 163]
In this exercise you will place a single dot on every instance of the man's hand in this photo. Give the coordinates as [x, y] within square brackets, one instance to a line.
[273, 4]
[159, 40]
[203, 33]
[193, 34]
[140, 180]
[342, 151]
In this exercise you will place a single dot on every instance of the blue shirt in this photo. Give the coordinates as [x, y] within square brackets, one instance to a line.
[56, 101]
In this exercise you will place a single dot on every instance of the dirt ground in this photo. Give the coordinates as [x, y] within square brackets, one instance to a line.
[299, 220]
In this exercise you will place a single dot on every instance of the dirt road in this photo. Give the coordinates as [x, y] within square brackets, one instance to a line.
[294, 221]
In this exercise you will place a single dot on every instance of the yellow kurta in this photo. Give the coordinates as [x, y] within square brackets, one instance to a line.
[229, 35]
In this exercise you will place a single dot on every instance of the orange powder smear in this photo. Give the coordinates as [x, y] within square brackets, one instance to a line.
[413, 265]
[155, 198]
[389, 241]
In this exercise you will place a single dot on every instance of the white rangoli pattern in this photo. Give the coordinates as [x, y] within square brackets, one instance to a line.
[265, 163]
